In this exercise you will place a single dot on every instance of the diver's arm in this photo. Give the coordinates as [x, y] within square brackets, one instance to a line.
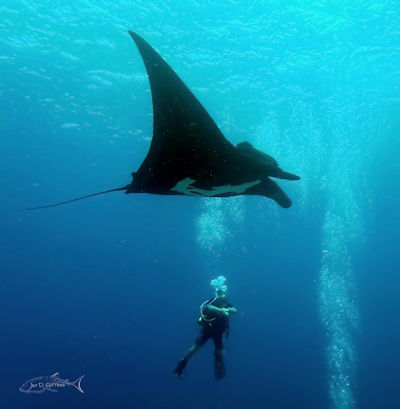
[222, 311]
[219, 311]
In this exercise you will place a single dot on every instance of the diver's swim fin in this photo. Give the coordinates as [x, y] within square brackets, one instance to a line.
[219, 368]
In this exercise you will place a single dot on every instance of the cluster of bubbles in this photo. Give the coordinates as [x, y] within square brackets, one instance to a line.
[211, 230]
[339, 315]
[275, 137]
[219, 284]
[337, 290]
[216, 220]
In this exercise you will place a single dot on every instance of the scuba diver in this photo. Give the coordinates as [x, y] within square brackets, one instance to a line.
[214, 321]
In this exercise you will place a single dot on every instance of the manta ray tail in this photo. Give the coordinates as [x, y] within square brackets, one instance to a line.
[78, 198]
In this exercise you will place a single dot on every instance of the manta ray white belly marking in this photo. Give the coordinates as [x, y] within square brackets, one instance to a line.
[185, 186]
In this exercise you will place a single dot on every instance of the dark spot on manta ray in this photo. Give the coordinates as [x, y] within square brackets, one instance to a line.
[188, 154]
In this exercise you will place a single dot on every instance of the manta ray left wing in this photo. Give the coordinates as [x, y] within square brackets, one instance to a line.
[180, 121]
[186, 139]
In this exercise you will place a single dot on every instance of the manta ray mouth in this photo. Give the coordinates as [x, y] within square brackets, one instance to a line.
[185, 187]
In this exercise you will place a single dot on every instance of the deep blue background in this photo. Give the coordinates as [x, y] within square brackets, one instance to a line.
[110, 287]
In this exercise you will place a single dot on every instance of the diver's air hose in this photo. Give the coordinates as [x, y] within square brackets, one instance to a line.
[203, 317]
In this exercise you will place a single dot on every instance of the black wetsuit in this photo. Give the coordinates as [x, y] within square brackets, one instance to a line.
[214, 325]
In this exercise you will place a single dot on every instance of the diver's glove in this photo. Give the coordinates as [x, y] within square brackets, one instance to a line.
[227, 333]
[225, 311]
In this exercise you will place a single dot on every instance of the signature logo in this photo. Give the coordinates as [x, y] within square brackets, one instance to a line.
[49, 383]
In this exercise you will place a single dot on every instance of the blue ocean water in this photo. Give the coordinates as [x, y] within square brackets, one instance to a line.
[110, 287]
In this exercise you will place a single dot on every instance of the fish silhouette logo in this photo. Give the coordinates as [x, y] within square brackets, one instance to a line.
[50, 383]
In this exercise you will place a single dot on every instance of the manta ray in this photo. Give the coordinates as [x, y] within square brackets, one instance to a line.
[188, 154]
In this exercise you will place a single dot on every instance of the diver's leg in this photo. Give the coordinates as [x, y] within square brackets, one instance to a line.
[183, 362]
[219, 353]
[193, 349]
[200, 341]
